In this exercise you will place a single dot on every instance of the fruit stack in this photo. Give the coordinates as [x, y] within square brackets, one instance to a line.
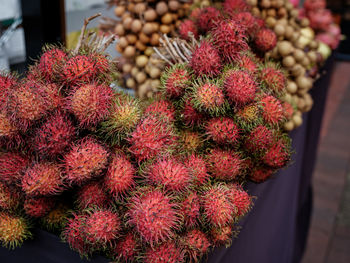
[158, 181]
[140, 27]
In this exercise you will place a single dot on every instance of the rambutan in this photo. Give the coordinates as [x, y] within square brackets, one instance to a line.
[190, 141]
[102, 64]
[10, 197]
[55, 135]
[74, 233]
[260, 174]
[224, 164]
[205, 60]
[186, 27]
[218, 207]
[169, 173]
[125, 113]
[240, 199]
[189, 208]
[273, 79]
[85, 160]
[240, 86]
[288, 110]
[197, 168]
[207, 18]
[165, 253]
[195, 13]
[50, 61]
[52, 94]
[126, 248]
[175, 80]
[9, 133]
[222, 130]
[222, 235]
[249, 116]
[151, 137]
[265, 39]
[92, 194]
[38, 207]
[42, 179]
[11, 167]
[162, 109]
[190, 115]
[247, 61]
[196, 244]
[13, 230]
[7, 83]
[154, 215]
[247, 21]
[120, 176]
[90, 103]
[208, 97]
[277, 155]
[259, 139]
[57, 218]
[231, 7]
[78, 69]
[272, 110]
[102, 227]
[230, 39]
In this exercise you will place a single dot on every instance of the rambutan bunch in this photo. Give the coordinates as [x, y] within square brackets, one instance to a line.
[175, 80]
[13, 230]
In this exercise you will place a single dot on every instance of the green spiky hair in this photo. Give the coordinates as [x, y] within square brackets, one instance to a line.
[175, 80]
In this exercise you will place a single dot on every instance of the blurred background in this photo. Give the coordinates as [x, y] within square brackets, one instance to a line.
[25, 26]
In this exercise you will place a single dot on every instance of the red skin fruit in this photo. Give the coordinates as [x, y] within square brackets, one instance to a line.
[150, 138]
[176, 82]
[225, 165]
[165, 253]
[9, 197]
[102, 227]
[162, 109]
[7, 82]
[189, 208]
[277, 155]
[218, 208]
[240, 87]
[55, 135]
[205, 60]
[186, 27]
[120, 175]
[210, 96]
[196, 166]
[241, 199]
[196, 244]
[79, 69]
[92, 194]
[259, 139]
[207, 18]
[274, 79]
[11, 167]
[191, 116]
[169, 173]
[85, 160]
[38, 207]
[246, 63]
[272, 110]
[221, 236]
[90, 103]
[310, 5]
[229, 38]
[42, 179]
[49, 61]
[265, 40]
[232, 6]
[261, 174]
[126, 248]
[52, 94]
[247, 21]
[153, 216]
[223, 130]
[288, 110]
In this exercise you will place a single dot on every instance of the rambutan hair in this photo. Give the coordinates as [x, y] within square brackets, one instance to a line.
[223, 130]
[175, 80]
[188, 27]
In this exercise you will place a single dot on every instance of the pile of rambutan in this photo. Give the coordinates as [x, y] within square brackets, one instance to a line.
[140, 181]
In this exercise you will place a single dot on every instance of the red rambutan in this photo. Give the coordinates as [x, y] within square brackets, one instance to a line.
[38, 207]
[56, 219]
[261, 174]
[175, 80]
[224, 165]
[49, 62]
[273, 79]
[288, 110]
[196, 166]
[55, 135]
[188, 26]
[277, 155]
[190, 115]
[222, 235]
[189, 208]
[120, 175]
[165, 253]
[247, 21]
[102, 227]
[154, 216]
[91, 195]
[240, 199]
[247, 61]
[249, 116]
[196, 244]
[90, 103]
[9, 133]
[126, 248]
[79, 69]
[7, 83]
[42, 179]
[162, 109]
[151, 137]
[231, 7]
[265, 40]
[190, 141]
[240, 86]
[169, 173]
[85, 160]
[11, 167]
[218, 207]
[259, 139]
[230, 39]
[207, 18]
[52, 94]
[9, 197]
[222, 130]
[205, 60]
[272, 110]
